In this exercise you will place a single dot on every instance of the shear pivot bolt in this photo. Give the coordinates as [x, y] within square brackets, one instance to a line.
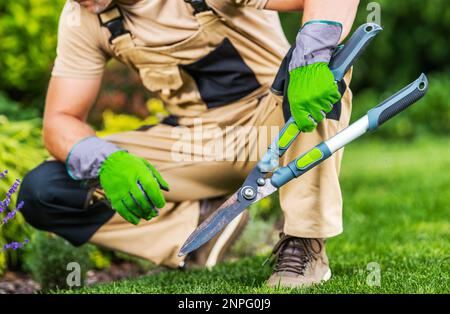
[261, 181]
[249, 193]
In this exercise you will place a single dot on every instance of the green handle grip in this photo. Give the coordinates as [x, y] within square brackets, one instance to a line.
[279, 146]
[300, 165]
[397, 102]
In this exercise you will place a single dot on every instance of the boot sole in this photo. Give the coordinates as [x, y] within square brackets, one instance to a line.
[280, 284]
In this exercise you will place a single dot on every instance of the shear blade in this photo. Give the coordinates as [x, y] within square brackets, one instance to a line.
[213, 224]
[221, 218]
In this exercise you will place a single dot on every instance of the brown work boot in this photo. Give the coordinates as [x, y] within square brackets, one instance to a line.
[214, 251]
[299, 263]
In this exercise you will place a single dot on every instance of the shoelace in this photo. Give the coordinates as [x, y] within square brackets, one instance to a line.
[293, 254]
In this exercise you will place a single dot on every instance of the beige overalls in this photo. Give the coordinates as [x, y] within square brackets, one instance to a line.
[222, 128]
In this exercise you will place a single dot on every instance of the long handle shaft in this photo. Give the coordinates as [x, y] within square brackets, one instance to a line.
[371, 121]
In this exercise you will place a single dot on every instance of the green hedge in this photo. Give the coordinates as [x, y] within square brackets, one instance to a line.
[430, 115]
[28, 32]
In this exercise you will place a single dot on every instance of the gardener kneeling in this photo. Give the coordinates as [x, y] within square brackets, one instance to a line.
[212, 62]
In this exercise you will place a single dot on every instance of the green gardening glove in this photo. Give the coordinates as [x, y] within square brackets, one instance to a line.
[312, 90]
[312, 93]
[133, 186]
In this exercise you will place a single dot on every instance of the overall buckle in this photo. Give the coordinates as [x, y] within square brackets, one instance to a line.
[112, 19]
[198, 5]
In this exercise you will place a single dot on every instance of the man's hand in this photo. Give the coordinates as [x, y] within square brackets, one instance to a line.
[312, 90]
[133, 186]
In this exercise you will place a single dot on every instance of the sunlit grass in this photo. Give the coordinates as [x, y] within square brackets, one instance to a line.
[397, 214]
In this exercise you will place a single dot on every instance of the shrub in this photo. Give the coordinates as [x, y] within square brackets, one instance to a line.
[14, 111]
[47, 259]
[28, 29]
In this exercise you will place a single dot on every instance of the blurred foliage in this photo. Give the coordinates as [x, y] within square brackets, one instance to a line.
[114, 123]
[48, 256]
[14, 111]
[100, 259]
[3, 264]
[121, 92]
[429, 115]
[28, 29]
[21, 149]
[291, 22]
[143, 264]
[414, 40]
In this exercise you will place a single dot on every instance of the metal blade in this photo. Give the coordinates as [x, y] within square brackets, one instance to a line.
[222, 217]
[213, 224]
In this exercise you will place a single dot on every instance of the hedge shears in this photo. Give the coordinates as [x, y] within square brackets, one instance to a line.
[267, 177]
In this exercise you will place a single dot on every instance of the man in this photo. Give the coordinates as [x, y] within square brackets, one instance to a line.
[211, 63]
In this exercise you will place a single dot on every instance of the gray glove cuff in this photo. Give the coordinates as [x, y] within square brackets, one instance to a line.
[315, 42]
[86, 157]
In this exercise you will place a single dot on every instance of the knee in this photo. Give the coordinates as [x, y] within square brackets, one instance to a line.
[36, 194]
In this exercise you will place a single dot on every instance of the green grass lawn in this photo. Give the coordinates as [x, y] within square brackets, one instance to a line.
[396, 214]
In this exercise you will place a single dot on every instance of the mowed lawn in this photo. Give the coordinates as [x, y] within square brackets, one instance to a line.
[396, 215]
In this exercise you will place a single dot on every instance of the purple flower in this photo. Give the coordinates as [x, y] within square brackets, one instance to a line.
[15, 245]
[12, 213]
[3, 174]
[5, 203]
[12, 246]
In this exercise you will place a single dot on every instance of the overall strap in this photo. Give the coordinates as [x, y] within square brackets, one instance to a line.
[112, 19]
[199, 5]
